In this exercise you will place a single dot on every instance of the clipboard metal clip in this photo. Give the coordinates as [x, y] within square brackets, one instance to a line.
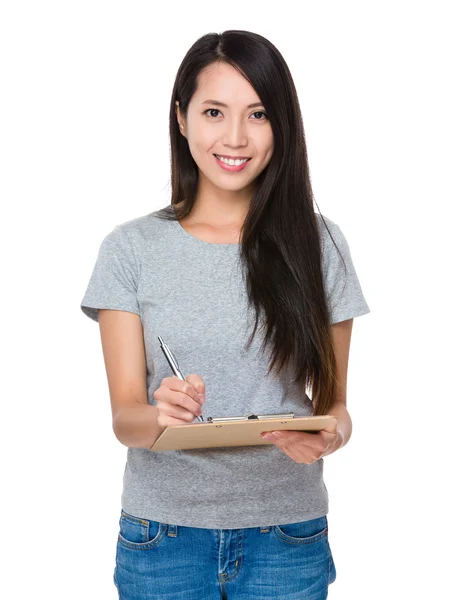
[251, 417]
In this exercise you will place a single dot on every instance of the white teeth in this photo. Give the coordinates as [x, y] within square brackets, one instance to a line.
[231, 162]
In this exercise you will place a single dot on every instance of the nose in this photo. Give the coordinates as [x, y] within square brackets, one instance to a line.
[235, 133]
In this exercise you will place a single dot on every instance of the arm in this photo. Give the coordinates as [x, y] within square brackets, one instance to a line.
[134, 421]
[137, 426]
[341, 335]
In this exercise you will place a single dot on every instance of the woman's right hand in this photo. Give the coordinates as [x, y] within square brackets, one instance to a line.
[179, 402]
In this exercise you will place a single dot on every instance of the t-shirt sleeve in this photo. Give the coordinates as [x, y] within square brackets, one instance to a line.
[114, 280]
[343, 290]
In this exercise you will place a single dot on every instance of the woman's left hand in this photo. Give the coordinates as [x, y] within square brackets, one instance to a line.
[303, 447]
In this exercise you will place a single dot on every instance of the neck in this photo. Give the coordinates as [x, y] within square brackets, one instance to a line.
[220, 208]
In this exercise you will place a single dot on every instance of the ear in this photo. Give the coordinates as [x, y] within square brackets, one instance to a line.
[179, 117]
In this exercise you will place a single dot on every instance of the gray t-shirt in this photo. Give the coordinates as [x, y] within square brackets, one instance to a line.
[192, 294]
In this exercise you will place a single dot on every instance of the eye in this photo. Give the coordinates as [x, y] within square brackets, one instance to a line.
[260, 112]
[210, 110]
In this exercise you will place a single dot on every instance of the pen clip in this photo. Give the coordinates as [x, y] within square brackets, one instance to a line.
[272, 416]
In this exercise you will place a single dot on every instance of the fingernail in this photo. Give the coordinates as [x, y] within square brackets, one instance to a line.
[268, 436]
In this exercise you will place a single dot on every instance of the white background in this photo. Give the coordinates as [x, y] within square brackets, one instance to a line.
[84, 146]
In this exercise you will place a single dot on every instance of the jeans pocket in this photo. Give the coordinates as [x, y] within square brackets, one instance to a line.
[139, 534]
[303, 532]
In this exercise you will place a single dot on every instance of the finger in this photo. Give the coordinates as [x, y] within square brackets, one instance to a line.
[177, 411]
[199, 386]
[312, 440]
[332, 428]
[176, 397]
[308, 443]
[177, 385]
[300, 454]
[174, 415]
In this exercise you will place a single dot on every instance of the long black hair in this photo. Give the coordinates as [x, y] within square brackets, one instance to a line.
[280, 243]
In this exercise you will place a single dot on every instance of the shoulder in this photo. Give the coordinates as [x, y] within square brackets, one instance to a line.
[138, 227]
[328, 230]
[138, 232]
[334, 246]
[324, 222]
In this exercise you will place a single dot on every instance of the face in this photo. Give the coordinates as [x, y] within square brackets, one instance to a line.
[234, 130]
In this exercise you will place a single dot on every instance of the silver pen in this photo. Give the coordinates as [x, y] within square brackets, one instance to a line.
[173, 363]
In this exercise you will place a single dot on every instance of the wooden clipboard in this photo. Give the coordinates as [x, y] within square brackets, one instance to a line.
[235, 431]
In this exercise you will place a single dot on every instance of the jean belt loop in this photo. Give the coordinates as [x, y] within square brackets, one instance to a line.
[265, 529]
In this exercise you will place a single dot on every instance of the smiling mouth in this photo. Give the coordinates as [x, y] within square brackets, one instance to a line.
[243, 159]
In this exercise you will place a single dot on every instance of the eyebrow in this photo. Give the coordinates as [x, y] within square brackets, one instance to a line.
[217, 103]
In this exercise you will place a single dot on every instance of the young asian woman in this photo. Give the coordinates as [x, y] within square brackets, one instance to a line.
[256, 293]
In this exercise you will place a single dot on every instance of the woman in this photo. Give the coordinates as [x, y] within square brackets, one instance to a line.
[239, 246]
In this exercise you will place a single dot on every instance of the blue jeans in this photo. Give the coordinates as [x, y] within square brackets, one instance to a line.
[170, 562]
